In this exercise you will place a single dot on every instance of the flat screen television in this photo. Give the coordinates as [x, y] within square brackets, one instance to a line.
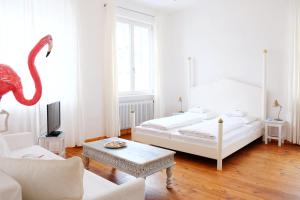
[53, 119]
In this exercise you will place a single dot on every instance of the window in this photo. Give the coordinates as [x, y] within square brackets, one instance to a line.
[134, 43]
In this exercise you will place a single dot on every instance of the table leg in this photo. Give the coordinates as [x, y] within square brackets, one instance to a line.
[266, 135]
[279, 136]
[169, 177]
[283, 135]
[86, 162]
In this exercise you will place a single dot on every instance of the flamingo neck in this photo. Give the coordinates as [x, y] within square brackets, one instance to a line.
[32, 68]
[35, 76]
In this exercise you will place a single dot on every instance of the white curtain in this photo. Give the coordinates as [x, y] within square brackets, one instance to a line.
[23, 24]
[14, 48]
[111, 101]
[158, 106]
[294, 136]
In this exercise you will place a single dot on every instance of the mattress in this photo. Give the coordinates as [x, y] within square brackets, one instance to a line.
[155, 132]
[228, 139]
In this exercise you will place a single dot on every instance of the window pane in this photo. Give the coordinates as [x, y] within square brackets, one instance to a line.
[142, 59]
[123, 45]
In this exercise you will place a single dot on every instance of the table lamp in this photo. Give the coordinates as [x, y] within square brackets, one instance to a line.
[276, 104]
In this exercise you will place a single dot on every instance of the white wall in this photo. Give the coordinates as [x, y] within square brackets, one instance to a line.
[91, 48]
[226, 39]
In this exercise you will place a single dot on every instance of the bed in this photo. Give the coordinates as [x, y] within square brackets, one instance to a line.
[218, 96]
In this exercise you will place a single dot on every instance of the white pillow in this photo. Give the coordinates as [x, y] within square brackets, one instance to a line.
[208, 115]
[4, 149]
[46, 179]
[198, 109]
[245, 120]
[236, 113]
[248, 119]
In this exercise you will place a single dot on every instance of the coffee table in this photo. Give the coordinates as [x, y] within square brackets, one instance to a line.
[136, 159]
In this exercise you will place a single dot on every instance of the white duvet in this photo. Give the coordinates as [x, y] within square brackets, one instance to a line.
[209, 129]
[176, 121]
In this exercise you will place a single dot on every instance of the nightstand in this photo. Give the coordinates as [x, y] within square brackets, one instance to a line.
[54, 144]
[276, 124]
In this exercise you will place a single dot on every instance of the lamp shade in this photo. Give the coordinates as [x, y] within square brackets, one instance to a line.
[276, 103]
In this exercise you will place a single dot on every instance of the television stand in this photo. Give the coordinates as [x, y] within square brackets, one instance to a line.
[54, 134]
[53, 144]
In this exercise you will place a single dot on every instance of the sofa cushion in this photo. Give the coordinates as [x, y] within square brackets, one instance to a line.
[93, 184]
[4, 149]
[46, 179]
[10, 189]
[34, 151]
[121, 192]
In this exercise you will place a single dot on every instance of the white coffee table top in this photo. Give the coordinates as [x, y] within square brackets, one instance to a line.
[134, 152]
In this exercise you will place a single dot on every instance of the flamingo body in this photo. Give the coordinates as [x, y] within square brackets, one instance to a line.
[10, 81]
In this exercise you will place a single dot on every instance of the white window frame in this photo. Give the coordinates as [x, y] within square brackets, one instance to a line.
[132, 91]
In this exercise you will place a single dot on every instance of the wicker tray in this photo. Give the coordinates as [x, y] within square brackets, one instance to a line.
[115, 144]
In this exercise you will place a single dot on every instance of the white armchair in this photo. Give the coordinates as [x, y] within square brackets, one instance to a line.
[9, 188]
[4, 112]
[95, 187]
[19, 140]
[133, 190]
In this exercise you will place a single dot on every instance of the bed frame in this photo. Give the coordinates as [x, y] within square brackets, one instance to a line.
[220, 95]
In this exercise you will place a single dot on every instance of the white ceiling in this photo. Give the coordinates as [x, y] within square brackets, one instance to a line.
[166, 5]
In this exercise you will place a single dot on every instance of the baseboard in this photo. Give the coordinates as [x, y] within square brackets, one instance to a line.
[123, 132]
[95, 139]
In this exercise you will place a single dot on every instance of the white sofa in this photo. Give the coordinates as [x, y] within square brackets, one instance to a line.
[95, 187]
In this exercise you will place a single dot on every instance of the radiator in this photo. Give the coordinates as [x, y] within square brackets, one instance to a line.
[144, 110]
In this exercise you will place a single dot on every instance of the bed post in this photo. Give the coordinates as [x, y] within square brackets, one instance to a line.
[191, 73]
[191, 80]
[132, 123]
[264, 90]
[220, 144]
[264, 83]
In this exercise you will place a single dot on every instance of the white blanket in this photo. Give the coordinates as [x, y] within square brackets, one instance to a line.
[209, 129]
[175, 121]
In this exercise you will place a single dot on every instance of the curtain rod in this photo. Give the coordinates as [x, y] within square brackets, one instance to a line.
[139, 12]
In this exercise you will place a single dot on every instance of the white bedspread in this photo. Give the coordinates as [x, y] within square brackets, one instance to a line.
[209, 129]
[176, 121]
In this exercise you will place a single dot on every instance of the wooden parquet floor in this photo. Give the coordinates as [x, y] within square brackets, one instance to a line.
[257, 171]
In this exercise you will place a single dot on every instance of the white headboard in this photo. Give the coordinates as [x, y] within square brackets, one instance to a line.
[227, 94]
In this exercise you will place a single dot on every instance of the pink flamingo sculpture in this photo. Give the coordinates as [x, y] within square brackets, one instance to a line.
[10, 81]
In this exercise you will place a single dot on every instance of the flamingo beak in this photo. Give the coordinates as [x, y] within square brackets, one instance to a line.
[50, 46]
